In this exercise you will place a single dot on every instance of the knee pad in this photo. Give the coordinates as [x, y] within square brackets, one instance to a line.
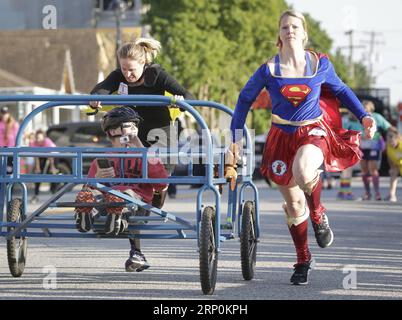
[112, 198]
[295, 221]
[84, 196]
[308, 187]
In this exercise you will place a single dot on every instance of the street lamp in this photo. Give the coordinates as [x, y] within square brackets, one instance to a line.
[119, 8]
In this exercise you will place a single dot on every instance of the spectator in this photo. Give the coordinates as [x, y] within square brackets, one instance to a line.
[372, 151]
[29, 161]
[8, 133]
[394, 155]
[42, 164]
[349, 122]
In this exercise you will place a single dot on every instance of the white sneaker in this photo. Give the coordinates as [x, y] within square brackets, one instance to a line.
[392, 199]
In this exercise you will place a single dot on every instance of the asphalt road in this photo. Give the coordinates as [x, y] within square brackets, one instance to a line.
[364, 262]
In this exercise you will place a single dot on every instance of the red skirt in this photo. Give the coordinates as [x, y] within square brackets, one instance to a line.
[340, 148]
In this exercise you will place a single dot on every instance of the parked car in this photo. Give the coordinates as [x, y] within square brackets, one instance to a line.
[77, 134]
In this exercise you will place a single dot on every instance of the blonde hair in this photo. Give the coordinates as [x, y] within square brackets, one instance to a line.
[368, 105]
[142, 49]
[296, 14]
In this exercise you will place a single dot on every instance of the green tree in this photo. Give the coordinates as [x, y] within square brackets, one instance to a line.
[214, 46]
[319, 39]
[194, 47]
[362, 77]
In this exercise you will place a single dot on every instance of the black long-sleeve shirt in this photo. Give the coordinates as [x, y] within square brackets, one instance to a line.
[156, 82]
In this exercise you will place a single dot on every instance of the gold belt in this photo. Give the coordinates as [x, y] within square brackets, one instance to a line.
[278, 120]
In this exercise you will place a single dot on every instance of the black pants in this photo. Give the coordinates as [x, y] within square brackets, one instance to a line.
[42, 165]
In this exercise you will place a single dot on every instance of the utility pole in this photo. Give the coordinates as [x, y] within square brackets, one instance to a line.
[372, 44]
[119, 8]
[351, 65]
[351, 47]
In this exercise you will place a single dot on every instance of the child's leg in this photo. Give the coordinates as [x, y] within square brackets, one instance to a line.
[135, 243]
[375, 176]
[136, 261]
[37, 187]
[394, 173]
[366, 178]
[345, 185]
[114, 223]
[83, 217]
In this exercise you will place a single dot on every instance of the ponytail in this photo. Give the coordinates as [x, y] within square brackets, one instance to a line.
[142, 49]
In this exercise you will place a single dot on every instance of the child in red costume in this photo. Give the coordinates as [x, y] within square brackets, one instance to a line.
[120, 122]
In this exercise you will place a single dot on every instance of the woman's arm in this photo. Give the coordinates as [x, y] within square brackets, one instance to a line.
[107, 86]
[110, 84]
[350, 100]
[246, 98]
[344, 93]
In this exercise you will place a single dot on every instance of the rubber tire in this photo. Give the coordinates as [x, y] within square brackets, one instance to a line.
[16, 248]
[208, 252]
[248, 241]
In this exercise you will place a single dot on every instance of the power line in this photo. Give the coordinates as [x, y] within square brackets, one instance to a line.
[373, 42]
[351, 47]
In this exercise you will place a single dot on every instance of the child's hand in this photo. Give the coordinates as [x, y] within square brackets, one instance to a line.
[105, 173]
[135, 142]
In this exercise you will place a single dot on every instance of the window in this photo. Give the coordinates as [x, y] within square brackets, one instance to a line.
[106, 5]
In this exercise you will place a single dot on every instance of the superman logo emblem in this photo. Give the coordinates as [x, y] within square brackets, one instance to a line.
[295, 93]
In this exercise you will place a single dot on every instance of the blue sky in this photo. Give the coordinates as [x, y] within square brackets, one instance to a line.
[383, 17]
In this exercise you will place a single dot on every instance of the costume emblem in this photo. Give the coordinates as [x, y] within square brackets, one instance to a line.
[295, 93]
[279, 167]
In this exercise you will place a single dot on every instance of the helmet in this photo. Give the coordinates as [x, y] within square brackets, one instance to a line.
[114, 118]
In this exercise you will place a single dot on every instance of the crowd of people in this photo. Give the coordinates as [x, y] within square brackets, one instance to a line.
[372, 155]
[9, 127]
